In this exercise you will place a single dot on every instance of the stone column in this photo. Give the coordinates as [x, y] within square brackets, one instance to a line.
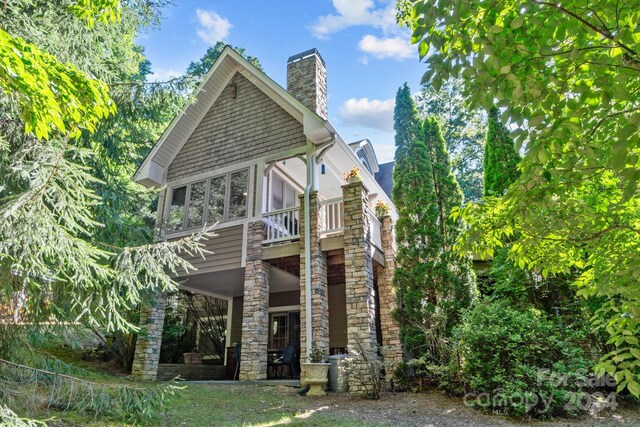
[147, 352]
[319, 289]
[361, 322]
[386, 295]
[255, 307]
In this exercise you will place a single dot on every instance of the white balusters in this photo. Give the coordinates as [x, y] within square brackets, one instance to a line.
[283, 224]
[331, 216]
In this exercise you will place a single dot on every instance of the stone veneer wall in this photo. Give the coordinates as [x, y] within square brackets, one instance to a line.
[307, 82]
[361, 322]
[147, 352]
[319, 288]
[255, 307]
[387, 297]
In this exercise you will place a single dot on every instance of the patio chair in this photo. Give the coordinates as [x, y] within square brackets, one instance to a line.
[286, 360]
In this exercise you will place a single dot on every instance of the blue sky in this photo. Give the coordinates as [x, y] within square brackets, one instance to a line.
[368, 57]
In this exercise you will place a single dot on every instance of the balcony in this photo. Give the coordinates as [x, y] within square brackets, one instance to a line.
[284, 225]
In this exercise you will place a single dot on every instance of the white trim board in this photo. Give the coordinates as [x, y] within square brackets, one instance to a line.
[284, 309]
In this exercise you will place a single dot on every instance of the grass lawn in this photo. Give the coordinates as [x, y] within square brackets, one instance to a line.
[256, 405]
[211, 404]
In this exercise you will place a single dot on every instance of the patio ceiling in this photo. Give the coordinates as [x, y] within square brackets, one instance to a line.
[230, 283]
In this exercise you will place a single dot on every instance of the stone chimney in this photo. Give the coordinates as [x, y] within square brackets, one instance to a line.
[307, 80]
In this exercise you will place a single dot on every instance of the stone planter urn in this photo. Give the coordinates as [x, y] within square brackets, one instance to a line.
[193, 358]
[354, 179]
[316, 375]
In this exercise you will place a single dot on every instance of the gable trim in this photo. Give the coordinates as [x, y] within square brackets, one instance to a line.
[153, 171]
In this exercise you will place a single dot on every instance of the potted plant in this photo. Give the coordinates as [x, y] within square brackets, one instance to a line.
[352, 176]
[382, 209]
[315, 372]
[193, 358]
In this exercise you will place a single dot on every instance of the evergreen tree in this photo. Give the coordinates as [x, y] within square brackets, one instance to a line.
[451, 274]
[406, 126]
[500, 157]
[199, 68]
[74, 236]
[405, 118]
[431, 282]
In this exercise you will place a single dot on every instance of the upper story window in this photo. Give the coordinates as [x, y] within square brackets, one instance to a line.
[218, 199]
[283, 194]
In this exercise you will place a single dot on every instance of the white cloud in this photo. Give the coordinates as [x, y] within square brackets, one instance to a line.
[397, 48]
[386, 150]
[355, 12]
[163, 75]
[363, 112]
[212, 27]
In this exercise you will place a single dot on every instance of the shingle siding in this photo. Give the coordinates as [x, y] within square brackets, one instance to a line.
[237, 130]
[226, 247]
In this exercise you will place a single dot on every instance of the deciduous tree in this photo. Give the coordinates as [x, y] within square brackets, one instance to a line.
[463, 130]
[568, 75]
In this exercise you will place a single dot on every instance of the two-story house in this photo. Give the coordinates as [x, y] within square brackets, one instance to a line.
[299, 254]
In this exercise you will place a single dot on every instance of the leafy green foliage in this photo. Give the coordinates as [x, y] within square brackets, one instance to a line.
[509, 353]
[462, 129]
[568, 76]
[500, 157]
[431, 281]
[75, 232]
[106, 11]
[51, 95]
[415, 201]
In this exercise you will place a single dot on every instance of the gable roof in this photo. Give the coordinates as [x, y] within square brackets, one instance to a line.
[384, 177]
[153, 170]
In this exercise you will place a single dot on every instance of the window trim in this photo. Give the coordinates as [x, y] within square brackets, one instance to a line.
[205, 214]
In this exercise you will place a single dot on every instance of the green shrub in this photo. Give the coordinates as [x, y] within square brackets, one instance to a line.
[506, 355]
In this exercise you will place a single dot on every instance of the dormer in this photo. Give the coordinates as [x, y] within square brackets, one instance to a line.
[366, 154]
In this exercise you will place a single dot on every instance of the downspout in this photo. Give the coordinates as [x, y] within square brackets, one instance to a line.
[307, 244]
[310, 161]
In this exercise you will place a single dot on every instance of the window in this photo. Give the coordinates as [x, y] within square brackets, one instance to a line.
[279, 330]
[176, 208]
[284, 329]
[217, 195]
[283, 195]
[221, 198]
[196, 205]
[238, 194]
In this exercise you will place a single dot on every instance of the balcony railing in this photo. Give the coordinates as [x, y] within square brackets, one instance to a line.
[282, 225]
[331, 216]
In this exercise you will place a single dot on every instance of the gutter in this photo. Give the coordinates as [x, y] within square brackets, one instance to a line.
[310, 161]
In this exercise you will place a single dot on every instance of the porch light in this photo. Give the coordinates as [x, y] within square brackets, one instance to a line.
[322, 169]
